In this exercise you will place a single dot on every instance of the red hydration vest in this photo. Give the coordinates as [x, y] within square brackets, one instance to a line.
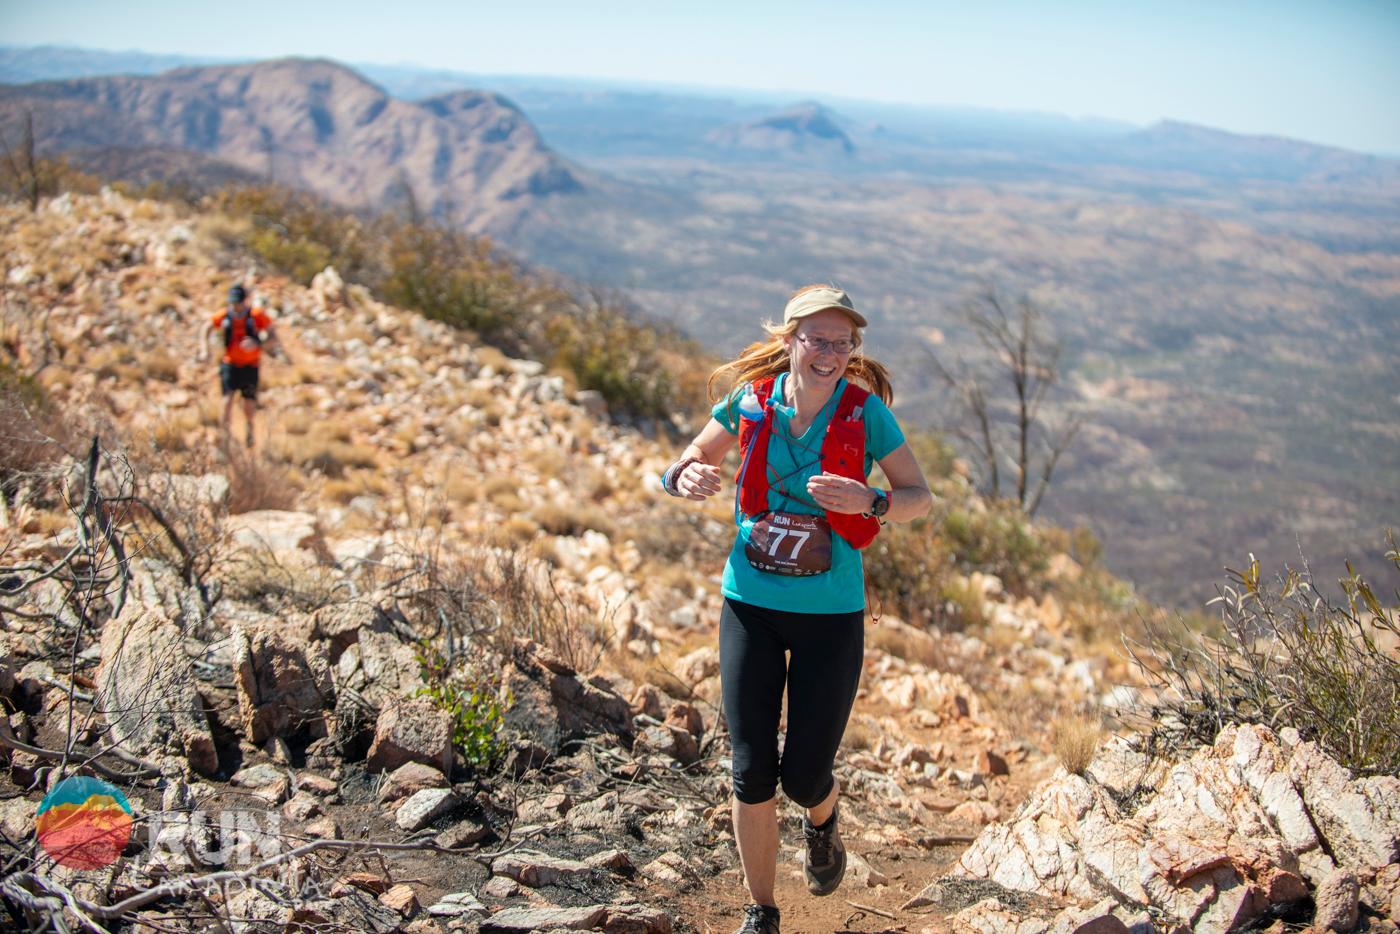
[843, 453]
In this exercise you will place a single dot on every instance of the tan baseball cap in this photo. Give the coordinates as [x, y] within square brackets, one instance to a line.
[815, 300]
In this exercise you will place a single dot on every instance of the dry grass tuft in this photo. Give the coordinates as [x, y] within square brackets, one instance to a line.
[1075, 739]
[904, 641]
[256, 484]
[862, 733]
[561, 519]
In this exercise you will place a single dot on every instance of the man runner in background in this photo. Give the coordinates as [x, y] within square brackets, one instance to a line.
[244, 330]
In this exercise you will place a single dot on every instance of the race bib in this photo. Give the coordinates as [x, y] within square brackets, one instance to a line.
[790, 543]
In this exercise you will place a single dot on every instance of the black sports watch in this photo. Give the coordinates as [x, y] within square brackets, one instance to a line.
[881, 504]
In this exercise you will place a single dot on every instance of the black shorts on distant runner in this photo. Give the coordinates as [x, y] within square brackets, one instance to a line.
[241, 379]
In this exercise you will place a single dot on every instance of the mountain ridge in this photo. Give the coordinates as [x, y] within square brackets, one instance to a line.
[470, 156]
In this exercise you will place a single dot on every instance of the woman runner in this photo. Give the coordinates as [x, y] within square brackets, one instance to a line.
[811, 414]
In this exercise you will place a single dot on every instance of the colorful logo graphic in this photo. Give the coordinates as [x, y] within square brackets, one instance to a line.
[83, 823]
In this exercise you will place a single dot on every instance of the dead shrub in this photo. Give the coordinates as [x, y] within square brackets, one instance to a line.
[334, 458]
[514, 532]
[257, 577]
[355, 483]
[162, 366]
[256, 484]
[32, 428]
[494, 488]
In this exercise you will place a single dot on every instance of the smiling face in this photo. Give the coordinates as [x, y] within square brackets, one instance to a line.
[815, 368]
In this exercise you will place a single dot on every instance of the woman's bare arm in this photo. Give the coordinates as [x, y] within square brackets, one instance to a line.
[909, 493]
[701, 479]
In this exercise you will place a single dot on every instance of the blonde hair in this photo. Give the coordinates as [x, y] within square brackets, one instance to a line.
[764, 359]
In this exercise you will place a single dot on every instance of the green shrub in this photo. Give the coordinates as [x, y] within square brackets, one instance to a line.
[907, 569]
[614, 355]
[474, 702]
[1000, 541]
[1288, 655]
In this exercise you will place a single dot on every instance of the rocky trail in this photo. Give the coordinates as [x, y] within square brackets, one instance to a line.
[292, 665]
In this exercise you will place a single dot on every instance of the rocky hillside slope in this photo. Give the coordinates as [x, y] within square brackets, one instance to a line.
[440, 656]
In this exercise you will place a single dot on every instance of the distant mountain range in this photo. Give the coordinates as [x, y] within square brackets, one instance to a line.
[808, 129]
[470, 157]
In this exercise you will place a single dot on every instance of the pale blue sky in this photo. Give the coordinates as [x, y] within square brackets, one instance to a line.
[1322, 71]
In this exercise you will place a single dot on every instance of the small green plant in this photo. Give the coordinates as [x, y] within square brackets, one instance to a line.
[475, 702]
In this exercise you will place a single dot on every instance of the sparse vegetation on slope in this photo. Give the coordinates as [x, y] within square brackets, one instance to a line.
[451, 276]
[1289, 654]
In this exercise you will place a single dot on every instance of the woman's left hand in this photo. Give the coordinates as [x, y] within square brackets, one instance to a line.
[840, 494]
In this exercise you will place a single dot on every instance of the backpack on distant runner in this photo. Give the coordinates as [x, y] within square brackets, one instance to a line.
[250, 328]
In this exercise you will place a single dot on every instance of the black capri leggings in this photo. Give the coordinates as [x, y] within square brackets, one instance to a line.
[821, 678]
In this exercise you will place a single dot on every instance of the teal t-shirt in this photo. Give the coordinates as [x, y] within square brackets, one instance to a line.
[842, 589]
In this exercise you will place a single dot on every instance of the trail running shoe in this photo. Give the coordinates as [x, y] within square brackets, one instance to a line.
[759, 919]
[825, 861]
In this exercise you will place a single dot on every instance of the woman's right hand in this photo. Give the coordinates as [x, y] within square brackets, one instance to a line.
[698, 481]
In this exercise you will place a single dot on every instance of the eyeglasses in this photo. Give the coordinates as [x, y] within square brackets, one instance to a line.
[841, 347]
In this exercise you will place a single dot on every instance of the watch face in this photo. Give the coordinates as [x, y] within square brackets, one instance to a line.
[882, 505]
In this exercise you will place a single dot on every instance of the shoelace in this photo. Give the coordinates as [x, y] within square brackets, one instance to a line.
[755, 919]
[818, 844]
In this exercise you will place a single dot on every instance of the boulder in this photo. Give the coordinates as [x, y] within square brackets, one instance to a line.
[1338, 908]
[1097, 919]
[410, 778]
[698, 665]
[380, 667]
[535, 869]
[424, 807]
[527, 920]
[456, 904]
[414, 730]
[687, 718]
[647, 700]
[990, 916]
[553, 705]
[292, 539]
[987, 762]
[1218, 841]
[284, 684]
[461, 835]
[636, 919]
[401, 898]
[1360, 820]
[328, 289]
[667, 740]
[340, 624]
[147, 692]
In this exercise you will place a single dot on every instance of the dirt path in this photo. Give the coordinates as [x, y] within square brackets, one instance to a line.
[718, 907]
